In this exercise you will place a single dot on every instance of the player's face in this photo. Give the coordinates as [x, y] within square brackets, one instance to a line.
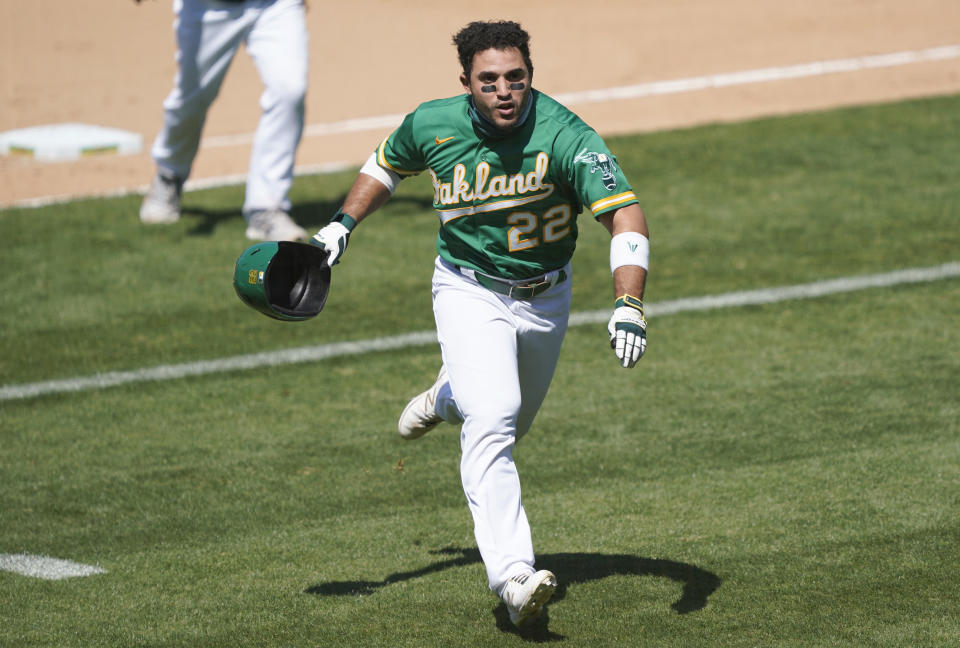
[499, 84]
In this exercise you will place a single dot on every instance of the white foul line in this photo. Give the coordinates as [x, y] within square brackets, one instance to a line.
[640, 90]
[762, 75]
[46, 567]
[359, 125]
[421, 338]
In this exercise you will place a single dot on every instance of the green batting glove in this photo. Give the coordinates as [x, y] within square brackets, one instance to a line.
[628, 330]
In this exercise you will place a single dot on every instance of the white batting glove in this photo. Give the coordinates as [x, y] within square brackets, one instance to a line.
[628, 331]
[334, 236]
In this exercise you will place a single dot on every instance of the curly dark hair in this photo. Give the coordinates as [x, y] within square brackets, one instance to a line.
[495, 34]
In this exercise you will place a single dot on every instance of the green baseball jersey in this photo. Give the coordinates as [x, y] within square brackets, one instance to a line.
[508, 205]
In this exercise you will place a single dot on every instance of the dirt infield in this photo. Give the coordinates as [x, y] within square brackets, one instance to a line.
[110, 63]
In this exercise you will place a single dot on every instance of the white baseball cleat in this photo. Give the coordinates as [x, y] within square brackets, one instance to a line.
[419, 416]
[273, 225]
[526, 595]
[161, 203]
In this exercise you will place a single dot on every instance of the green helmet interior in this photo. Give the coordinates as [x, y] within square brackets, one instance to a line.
[284, 280]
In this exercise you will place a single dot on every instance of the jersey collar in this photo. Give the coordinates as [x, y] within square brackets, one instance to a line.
[488, 129]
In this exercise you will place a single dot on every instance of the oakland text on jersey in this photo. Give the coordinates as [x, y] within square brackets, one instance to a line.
[460, 191]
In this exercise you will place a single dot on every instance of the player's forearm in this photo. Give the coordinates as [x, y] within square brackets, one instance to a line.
[628, 279]
[365, 197]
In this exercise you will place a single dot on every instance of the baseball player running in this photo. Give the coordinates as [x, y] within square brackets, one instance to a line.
[209, 33]
[511, 170]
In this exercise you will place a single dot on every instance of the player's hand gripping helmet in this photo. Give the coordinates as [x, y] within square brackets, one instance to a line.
[283, 280]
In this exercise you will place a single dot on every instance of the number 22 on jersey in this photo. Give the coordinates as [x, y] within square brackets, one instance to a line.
[528, 231]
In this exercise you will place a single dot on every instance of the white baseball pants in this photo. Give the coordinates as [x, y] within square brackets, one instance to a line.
[500, 354]
[209, 33]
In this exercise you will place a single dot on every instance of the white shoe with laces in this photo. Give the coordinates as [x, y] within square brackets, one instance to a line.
[527, 594]
[419, 416]
[161, 203]
[273, 225]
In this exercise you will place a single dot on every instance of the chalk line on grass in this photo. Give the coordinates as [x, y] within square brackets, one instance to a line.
[422, 338]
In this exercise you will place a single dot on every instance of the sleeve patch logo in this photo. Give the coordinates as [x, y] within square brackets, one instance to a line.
[599, 162]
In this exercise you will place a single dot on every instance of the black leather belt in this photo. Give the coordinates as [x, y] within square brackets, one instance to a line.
[522, 289]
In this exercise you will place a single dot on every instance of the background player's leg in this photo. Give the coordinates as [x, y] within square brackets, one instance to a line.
[206, 43]
[278, 45]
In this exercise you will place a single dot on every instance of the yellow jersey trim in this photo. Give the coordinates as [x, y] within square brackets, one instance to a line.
[382, 160]
[612, 201]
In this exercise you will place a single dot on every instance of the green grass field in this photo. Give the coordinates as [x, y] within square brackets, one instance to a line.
[777, 475]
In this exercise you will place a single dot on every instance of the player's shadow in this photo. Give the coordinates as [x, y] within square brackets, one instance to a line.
[573, 568]
[309, 215]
